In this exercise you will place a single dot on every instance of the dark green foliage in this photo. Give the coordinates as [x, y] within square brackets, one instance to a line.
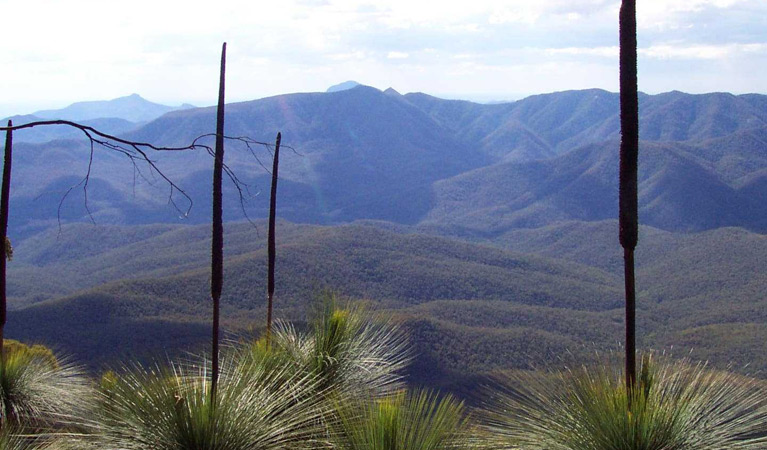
[352, 353]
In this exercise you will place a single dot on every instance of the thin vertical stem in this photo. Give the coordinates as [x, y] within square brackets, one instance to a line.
[4, 210]
[271, 245]
[628, 266]
[217, 238]
[629, 153]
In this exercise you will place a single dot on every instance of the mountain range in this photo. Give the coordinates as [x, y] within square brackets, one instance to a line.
[488, 230]
[113, 117]
[361, 153]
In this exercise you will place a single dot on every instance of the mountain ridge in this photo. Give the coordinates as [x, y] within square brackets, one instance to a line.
[363, 154]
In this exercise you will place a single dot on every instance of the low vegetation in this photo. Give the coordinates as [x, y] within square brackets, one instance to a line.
[673, 405]
[40, 396]
[403, 421]
[170, 408]
[338, 383]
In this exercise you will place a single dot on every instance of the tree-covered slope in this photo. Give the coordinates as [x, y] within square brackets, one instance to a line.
[519, 309]
[366, 154]
[683, 187]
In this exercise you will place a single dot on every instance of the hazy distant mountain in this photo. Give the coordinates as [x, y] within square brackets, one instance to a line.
[471, 168]
[113, 126]
[343, 86]
[132, 108]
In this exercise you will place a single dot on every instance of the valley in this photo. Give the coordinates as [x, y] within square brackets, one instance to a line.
[487, 231]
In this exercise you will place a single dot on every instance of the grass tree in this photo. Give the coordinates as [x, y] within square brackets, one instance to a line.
[256, 408]
[418, 420]
[629, 151]
[345, 348]
[675, 405]
[40, 395]
[11, 439]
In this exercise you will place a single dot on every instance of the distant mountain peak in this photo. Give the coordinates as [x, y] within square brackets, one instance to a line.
[392, 92]
[133, 108]
[346, 85]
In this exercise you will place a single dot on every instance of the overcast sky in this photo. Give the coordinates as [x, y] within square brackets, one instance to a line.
[58, 52]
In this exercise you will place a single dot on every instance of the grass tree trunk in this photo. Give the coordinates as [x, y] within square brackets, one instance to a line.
[4, 201]
[271, 238]
[217, 238]
[629, 153]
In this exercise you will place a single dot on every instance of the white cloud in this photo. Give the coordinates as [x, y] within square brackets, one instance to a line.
[397, 55]
[347, 56]
[60, 52]
[671, 14]
[605, 52]
[703, 52]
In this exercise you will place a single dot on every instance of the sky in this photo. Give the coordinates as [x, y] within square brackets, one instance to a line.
[56, 52]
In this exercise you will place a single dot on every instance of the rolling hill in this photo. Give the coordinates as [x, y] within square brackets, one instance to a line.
[138, 291]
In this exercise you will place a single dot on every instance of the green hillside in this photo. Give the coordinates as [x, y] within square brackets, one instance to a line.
[470, 307]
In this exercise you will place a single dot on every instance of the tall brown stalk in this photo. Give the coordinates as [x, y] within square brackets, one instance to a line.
[629, 152]
[4, 202]
[217, 238]
[271, 239]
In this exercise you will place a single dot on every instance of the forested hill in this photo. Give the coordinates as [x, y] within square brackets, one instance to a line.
[414, 159]
[102, 293]
[488, 230]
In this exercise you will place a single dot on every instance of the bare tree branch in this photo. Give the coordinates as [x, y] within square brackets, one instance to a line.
[137, 152]
[133, 150]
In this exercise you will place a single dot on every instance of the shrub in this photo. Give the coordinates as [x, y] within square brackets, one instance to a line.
[676, 405]
[170, 408]
[349, 352]
[403, 421]
[38, 393]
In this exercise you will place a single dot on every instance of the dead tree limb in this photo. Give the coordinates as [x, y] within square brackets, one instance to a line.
[133, 150]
